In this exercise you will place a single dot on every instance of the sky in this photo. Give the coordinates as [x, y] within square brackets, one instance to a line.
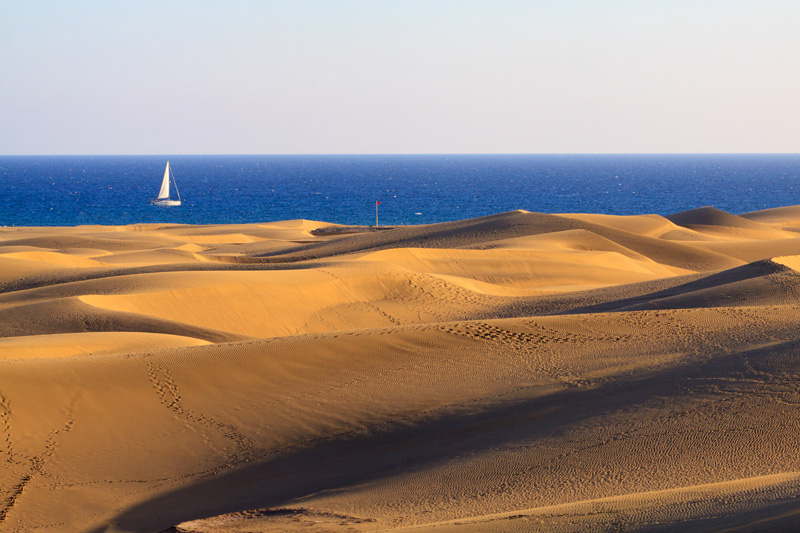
[399, 76]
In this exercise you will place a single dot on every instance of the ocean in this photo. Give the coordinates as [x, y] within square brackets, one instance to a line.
[412, 189]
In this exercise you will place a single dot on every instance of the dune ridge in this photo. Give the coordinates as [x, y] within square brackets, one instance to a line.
[516, 372]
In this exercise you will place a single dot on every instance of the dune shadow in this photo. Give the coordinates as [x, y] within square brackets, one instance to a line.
[394, 447]
[731, 277]
[65, 277]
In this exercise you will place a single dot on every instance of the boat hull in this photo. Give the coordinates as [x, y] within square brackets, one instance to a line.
[166, 203]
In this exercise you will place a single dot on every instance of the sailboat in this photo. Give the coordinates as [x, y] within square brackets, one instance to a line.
[163, 195]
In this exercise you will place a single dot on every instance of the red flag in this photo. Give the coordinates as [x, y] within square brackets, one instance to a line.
[377, 203]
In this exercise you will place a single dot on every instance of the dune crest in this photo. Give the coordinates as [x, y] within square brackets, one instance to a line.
[791, 261]
[519, 371]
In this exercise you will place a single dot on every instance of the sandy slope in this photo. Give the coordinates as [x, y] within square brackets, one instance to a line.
[515, 372]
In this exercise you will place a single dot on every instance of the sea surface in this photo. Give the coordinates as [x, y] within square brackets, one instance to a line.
[412, 189]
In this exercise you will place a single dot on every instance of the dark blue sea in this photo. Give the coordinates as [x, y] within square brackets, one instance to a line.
[412, 189]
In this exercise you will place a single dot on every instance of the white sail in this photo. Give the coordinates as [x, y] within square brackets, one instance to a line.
[163, 194]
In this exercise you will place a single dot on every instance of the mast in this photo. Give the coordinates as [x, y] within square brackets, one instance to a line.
[175, 183]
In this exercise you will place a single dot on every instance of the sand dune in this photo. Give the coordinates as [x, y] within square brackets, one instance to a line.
[648, 225]
[710, 216]
[788, 216]
[516, 372]
[98, 343]
[669, 509]
[709, 220]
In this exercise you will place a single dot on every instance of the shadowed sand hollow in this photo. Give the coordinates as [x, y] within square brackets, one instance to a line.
[516, 372]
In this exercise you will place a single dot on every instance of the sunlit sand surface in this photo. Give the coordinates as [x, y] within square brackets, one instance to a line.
[517, 372]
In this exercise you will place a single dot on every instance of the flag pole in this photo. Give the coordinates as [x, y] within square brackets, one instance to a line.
[377, 203]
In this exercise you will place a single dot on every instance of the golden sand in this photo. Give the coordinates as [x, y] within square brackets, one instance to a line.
[518, 372]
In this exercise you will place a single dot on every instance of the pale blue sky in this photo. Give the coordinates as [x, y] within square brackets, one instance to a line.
[399, 76]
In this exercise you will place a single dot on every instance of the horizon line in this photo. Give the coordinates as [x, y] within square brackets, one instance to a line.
[364, 154]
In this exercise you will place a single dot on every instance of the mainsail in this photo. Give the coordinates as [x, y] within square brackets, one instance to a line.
[163, 194]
